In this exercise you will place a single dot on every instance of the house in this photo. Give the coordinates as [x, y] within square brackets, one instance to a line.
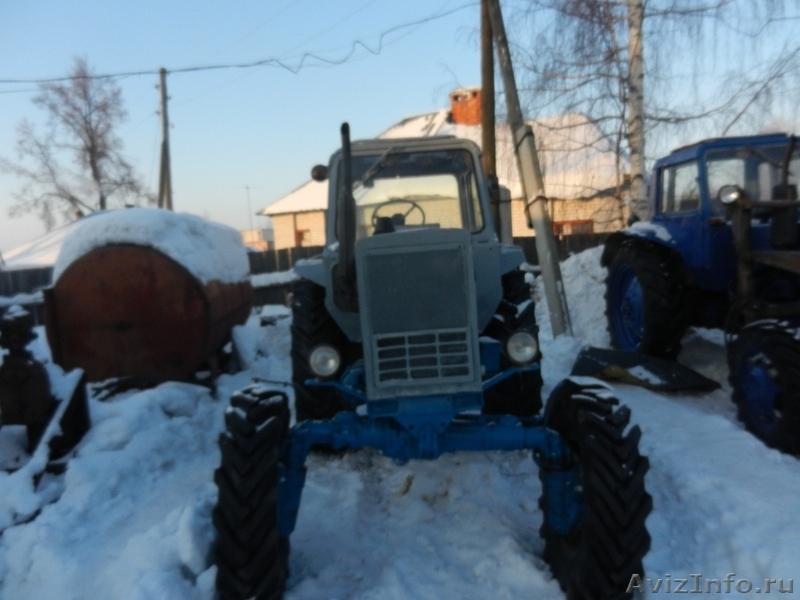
[584, 175]
[258, 239]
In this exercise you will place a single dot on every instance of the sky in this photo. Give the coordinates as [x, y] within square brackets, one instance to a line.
[239, 133]
[260, 128]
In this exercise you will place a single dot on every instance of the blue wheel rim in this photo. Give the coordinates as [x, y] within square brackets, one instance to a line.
[758, 392]
[627, 308]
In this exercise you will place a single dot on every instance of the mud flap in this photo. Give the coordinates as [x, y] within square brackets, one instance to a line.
[640, 369]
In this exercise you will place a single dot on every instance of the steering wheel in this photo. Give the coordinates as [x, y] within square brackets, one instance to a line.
[412, 206]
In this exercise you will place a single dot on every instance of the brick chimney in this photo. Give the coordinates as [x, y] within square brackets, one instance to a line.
[465, 106]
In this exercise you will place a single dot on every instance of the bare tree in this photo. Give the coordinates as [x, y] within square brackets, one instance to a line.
[83, 116]
[637, 68]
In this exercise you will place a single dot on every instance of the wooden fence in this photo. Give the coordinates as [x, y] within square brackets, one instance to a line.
[24, 281]
[272, 261]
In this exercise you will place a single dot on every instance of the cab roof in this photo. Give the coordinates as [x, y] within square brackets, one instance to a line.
[694, 150]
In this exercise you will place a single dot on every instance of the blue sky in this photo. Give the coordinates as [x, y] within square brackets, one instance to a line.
[264, 128]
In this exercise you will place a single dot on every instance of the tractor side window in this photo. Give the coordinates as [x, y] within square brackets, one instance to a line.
[680, 191]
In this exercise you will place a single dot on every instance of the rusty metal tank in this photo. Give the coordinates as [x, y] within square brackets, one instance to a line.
[127, 310]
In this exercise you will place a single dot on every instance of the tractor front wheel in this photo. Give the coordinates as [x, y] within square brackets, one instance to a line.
[251, 555]
[764, 362]
[598, 558]
[646, 300]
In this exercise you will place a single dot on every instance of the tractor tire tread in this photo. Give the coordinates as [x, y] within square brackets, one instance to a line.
[778, 340]
[665, 284]
[596, 562]
[250, 554]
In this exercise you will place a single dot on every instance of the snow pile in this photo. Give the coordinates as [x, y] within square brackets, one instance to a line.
[584, 283]
[131, 518]
[210, 251]
[723, 502]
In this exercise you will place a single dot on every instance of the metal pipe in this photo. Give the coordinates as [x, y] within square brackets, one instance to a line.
[532, 183]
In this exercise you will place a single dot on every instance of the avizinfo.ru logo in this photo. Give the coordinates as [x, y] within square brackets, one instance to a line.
[699, 584]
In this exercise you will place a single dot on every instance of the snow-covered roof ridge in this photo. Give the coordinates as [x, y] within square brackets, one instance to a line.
[38, 254]
[422, 125]
[310, 196]
[209, 251]
[578, 160]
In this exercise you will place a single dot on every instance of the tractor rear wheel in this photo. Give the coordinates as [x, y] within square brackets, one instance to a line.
[764, 361]
[251, 555]
[646, 300]
[521, 394]
[598, 558]
[313, 325]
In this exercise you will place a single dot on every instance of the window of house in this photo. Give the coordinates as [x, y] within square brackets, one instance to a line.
[574, 227]
[302, 237]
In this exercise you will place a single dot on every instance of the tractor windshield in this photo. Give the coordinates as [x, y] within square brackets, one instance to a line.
[756, 170]
[396, 191]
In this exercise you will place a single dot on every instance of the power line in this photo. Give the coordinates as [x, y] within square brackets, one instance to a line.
[305, 58]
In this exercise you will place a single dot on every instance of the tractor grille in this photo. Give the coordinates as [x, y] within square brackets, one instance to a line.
[418, 326]
[413, 358]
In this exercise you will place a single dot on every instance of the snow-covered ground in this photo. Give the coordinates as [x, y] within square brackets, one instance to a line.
[130, 519]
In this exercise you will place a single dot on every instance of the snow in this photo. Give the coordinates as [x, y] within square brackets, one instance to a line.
[311, 196]
[131, 517]
[35, 298]
[647, 229]
[268, 279]
[210, 251]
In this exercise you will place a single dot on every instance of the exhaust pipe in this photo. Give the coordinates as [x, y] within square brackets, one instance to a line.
[345, 294]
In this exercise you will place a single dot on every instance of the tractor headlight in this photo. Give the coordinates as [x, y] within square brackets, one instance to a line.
[324, 360]
[521, 347]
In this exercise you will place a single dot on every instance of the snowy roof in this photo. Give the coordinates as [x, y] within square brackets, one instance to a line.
[423, 125]
[312, 195]
[210, 251]
[577, 159]
[38, 254]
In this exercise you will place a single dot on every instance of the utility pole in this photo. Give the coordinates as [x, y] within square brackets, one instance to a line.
[165, 179]
[488, 144]
[636, 105]
[532, 183]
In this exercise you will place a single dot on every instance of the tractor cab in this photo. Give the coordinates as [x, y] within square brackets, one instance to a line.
[688, 204]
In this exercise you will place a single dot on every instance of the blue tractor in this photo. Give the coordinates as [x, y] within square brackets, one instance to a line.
[414, 333]
[721, 249]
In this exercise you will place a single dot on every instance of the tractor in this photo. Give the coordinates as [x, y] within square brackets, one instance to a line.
[414, 333]
[720, 249]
